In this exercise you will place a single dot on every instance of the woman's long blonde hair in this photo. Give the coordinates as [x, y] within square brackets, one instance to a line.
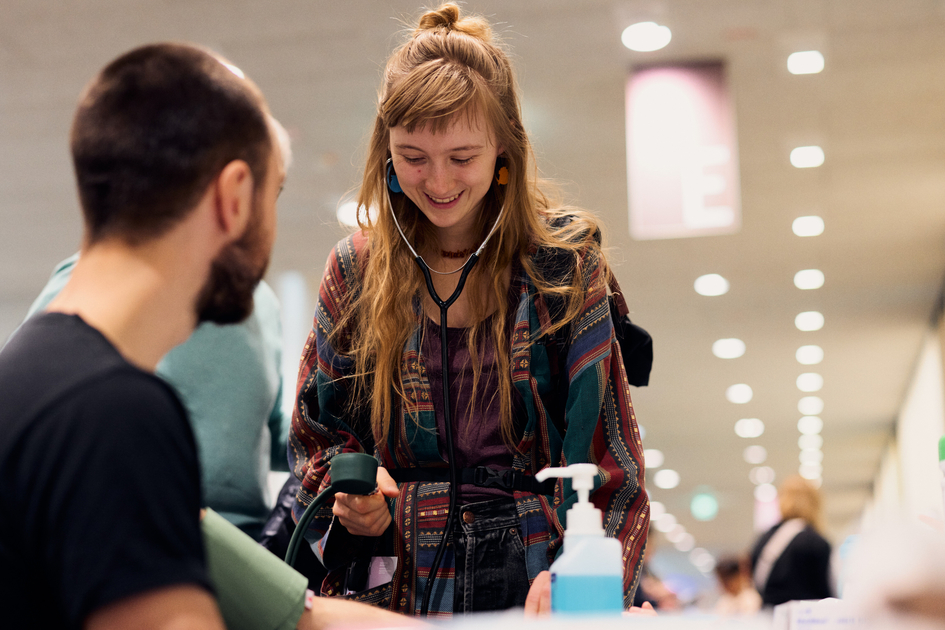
[451, 67]
[799, 498]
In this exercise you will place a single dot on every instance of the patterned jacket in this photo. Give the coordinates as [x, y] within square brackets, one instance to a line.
[601, 429]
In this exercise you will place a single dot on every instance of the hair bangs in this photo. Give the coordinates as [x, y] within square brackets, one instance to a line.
[434, 94]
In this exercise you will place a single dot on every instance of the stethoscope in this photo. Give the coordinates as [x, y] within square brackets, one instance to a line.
[444, 349]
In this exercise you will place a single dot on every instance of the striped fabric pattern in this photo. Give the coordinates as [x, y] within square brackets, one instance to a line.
[601, 429]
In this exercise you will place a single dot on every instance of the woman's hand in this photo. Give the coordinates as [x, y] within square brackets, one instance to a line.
[367, 515]
[538, 600]
[646, 610]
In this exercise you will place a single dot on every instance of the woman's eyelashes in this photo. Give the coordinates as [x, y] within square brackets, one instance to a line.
[460, 161]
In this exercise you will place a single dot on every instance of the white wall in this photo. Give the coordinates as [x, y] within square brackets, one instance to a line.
[908, 483]
[921, 424]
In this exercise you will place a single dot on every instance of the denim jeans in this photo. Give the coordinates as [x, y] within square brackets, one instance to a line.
[490, 557]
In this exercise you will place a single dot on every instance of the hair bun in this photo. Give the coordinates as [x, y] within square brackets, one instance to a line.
[447, 15]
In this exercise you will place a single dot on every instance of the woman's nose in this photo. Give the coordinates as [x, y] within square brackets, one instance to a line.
[439, 182]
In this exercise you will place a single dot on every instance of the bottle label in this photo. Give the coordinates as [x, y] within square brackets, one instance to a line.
[586, 594]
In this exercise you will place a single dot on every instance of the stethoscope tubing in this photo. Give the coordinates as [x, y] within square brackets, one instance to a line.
[447, 406]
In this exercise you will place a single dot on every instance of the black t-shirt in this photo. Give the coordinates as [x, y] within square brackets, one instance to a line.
[99, 480]
[802, 571]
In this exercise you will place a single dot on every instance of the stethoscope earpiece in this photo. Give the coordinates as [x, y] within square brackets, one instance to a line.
[392, 182]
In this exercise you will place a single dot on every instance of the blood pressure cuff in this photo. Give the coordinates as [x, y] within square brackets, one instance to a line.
[255, 589]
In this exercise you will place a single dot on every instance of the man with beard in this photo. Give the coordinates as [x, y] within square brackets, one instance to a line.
[178, 176]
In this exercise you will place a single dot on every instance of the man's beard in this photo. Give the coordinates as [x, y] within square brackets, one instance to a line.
[227, 295]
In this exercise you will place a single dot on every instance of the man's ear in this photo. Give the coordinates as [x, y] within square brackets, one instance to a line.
[234, 198]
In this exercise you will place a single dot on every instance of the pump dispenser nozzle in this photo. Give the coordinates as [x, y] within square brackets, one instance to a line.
[583, 517]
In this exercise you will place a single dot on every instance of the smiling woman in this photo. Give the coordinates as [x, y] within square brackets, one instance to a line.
[446, 175]
[455, 398]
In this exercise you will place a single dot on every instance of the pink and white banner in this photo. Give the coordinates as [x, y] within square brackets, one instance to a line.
[682, 153]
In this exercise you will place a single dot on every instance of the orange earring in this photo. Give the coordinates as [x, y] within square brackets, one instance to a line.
[502, 177]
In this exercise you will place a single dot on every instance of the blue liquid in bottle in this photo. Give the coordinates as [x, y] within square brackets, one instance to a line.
[587, 594]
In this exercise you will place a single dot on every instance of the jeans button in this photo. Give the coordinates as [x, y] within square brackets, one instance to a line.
[469, 518]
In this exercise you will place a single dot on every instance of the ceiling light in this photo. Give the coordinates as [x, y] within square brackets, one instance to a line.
[704, 507]
[347, 214]
[809, 355]
[808, 226]
[676, 533]
[642, 431]
[807, 157]
[657, 510]
[810, 425]
[711, 285]
[686, 543]
[666, 523]
[749, 428]
[809, 321]
[699, 556]
[653, 458]
[810, 442]
[761, 474]
[806, 62]
[738, 394]
[810, 405]
[667, 479]
[728, 348]
[809, 279]
[707, 567]
[810, 471]
[646, 36]
[765, 493]
[702, 559]
[755, 454]
[811, 457]
[810, 382]
[233, 69]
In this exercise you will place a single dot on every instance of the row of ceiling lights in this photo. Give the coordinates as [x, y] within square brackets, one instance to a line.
[810, 425]
[649, 36]
[810, 407]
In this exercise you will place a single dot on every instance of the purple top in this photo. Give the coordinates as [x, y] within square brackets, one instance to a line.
[477, 432]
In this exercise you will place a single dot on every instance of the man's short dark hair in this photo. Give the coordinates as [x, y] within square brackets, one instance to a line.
[152, 131]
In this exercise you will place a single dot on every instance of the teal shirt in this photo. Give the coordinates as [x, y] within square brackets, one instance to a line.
[229, 379]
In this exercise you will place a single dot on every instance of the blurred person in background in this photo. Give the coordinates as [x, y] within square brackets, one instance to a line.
[791, 561]
[652, 591]
[738, 595]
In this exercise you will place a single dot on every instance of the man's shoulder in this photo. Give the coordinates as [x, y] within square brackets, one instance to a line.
[55, 348]
[57, 363]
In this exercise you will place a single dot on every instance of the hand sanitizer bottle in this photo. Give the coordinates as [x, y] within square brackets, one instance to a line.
[587, 577]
